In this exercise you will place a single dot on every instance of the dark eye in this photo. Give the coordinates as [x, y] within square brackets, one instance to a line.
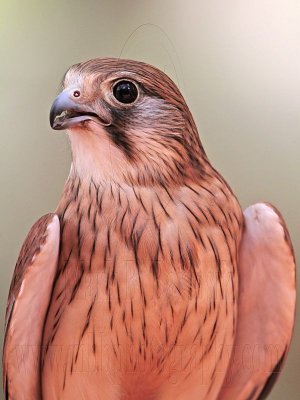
[125, 92]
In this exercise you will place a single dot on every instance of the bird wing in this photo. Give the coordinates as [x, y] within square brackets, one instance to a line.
[28, 301]
[266, 305]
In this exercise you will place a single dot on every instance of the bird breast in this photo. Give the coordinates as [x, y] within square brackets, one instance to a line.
[144, 280]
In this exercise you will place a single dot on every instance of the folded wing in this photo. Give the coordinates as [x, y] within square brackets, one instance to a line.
[28, 301]
[266, 305]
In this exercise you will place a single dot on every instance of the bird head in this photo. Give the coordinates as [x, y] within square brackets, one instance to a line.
[126, 120]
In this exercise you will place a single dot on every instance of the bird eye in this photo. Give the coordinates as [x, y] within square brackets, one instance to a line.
[125, 92]
[76, 93]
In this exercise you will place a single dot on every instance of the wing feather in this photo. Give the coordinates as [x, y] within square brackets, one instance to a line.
[266, 305]
[27, 305]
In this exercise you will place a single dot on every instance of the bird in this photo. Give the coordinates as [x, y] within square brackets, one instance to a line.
[148, 281]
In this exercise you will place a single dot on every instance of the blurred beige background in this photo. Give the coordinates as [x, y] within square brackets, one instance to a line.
[236, 62]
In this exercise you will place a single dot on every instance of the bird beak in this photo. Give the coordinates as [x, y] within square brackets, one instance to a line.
[66, 112]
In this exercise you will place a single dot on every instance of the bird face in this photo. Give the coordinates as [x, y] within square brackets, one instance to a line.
[129, 110]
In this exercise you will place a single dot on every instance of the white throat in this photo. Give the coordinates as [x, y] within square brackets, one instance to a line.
[95, 156]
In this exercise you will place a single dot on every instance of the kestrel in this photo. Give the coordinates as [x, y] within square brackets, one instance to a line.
[148, 281]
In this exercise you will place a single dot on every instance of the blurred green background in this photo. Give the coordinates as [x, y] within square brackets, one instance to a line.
[237, 63]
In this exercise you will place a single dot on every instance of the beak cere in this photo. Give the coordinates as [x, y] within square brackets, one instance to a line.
[66, 113]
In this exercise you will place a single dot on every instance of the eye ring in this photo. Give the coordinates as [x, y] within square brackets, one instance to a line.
[76, 93]
[125, 91]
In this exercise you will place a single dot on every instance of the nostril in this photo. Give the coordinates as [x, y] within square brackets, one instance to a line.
[76, 93]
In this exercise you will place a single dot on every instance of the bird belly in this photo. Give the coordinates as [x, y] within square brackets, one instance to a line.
[129, 335]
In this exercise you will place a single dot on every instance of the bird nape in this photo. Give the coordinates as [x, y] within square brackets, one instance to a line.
[148, 281]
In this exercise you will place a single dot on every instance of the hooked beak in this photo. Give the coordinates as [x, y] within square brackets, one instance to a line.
[66, 112]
